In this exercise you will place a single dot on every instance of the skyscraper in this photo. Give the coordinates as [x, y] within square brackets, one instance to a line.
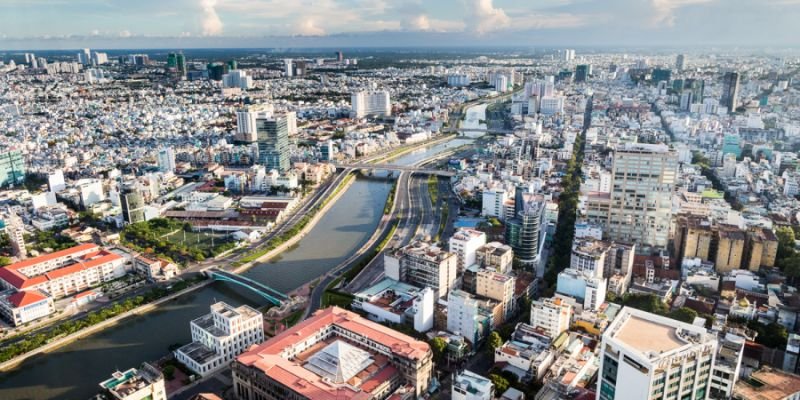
[272, 133]
[582, 73]
[12, 168]
[522, 231]
[177, 62]
[730, 91]
[371, 103]
[680, 62]
[132, 203]
[642, 181]
[166, 159]
[288, 66]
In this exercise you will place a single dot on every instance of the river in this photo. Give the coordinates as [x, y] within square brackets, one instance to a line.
[74, 371]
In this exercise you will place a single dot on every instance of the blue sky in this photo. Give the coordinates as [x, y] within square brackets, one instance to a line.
[54, 24]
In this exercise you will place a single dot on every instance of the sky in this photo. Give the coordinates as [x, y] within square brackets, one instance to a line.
[126, 24]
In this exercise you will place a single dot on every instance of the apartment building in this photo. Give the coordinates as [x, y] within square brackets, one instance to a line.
[551, 315]
[496, 256]
[464, 244]
[424, 265]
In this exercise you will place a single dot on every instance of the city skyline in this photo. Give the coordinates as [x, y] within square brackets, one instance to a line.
[358, 23]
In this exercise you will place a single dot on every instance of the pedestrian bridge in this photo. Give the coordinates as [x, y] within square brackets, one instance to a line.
[392, 167]
[273, 296]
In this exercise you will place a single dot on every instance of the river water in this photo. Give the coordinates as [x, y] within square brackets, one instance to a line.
[74, 371]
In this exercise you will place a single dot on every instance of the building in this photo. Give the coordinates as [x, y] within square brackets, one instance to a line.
[551, 315]
[523, 231]
[91, 192]
[288, 67]
[469, 316]
[397, 303]
[549, 105]
[19, 308]
[496, 256]
[220, 336]
[640, 208]
[145, 383]
[582, 73]
[730, 91]
[272, 133]
[647, 356]
[176, 62]
[64, 272]
[246, 122]
[15, 230]
[468, 385]
[727, 366]
[371, 103]
[12, 168]
[768, 383]
[680, 62]
[237, 79]
[496, 286]
[334, 354]
[728, 247]
[458, 80]
[528, 354]
[464, 244]
[492, 203]
[132, 203]
[423, 265]
[166, 159]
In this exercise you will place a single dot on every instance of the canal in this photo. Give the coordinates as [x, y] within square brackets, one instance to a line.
[74, 371]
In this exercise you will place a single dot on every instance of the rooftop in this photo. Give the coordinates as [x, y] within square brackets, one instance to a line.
[767, 384]
[647, 336]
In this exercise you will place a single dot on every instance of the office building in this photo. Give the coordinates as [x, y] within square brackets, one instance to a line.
[647, 356]
[423, 265]
[458, 80]
[661, 75]
[272, 133]
[468, 385]
[12, 168]
[680, 62]
[145, 383]
[523, 231]
[492, 203]
[495, 256]
[220, 336]
[65, 272]
[176, 62]
[85, 57]
[550, 105]
[216, 70]
[326, 151]
[464, 244]
[371, 103]
[288, 67]
[132, 203]
[91, 191]
[237, 79]
[582, 72]
[334, 354]
[469, 316]
[551, 316]
[246, 122]
[730, 91]
[166, 159]
[640, 207]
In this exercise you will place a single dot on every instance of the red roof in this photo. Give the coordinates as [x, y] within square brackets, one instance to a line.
[26, 297]
[19, 280]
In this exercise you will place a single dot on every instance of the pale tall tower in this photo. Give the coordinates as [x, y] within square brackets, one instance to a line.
[16, 235]
[166, 159]
[680, 62]
[643, 179]
[730, 91]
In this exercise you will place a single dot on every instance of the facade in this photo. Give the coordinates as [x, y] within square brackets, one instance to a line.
[15, 230]
[12, 168]
[371, 103]
[132, 204]
[468, 385]
[334, 354]
[468, 316]
[464, 244]
[496, 256]
[523, 232]
[643, 179]
[166, 159]
[551, 315]
[496, 286]
[528, 354]
[64, 272]
[19, 308]
[727, 366]
[272, 134]
[246, 122]
[730, 91]
[647, 356]
[220, 336]
[582, 73]
[145, 383]
[588, 289]
[492, 202]
[423, 265]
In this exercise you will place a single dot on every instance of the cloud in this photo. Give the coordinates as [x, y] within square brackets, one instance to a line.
[211, 23]
[418, 23]
[306, 26]
[95, 32]
[125, 33]
[664, 10]
[483, 17]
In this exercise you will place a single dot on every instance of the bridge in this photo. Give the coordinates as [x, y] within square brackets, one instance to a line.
[273, 296]
[392, 167]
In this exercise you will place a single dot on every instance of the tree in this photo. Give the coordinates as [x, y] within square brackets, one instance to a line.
[683, 314]
[786, 240]
[439, 347]
[4, 261]
[169, 372]
[494, 341]
[500, 384]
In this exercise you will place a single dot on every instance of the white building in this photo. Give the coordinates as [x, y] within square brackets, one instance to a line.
[166, 159]
[464, 244]
[528, 354]
[586, 288]
[458, 80]
[237, 79]
[468, 385]
[145, 383]
[366, 103]
[288, 66]
[220, 336]
[492, 203]
[551, 315]
[727, 365]
[647, 356]
[550, 105]
[466, 317]
[19, 308]
[56, 181]
[246, 121]
[91, 191]
[423, 265]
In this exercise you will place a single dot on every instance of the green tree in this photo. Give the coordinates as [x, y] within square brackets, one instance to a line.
[4, 261]
[683, 314]
[494, 341]
[169, 372]
[439, 347]
[785, 242]
[500, 384]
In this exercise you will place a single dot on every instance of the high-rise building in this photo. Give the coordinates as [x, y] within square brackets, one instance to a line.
[288, 67]
[216, 71]
[680, 62]
[424, 265]
[464, 244]
[551, 316]
[246, 121]
[334, 354]
[523, 231]
[147, 382]
[132, 203]
[582, 73]
[85, 57]
[220, 336]
[237, 79]
[177, 62]
[496, 256]
[730, 91]
[375, 103]
[166, 159]
[640, 209]
[12, 168]
[15, 230]
[339, 56]
[468, 316]
[661, 74]
[696, 88]
[647, 356]
[272, 133]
